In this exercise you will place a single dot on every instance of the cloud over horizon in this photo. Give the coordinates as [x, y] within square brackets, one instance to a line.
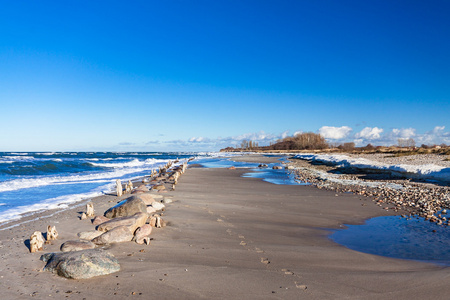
[376, 136]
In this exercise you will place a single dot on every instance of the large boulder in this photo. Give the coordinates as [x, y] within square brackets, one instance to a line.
[127, 207]
[147, 198]
[89, 235]
[142, 232]
[150, 210]
[116, 235]
[140, 189]
[76, 246]
[81, 264]
[133, 222]
[99, 220]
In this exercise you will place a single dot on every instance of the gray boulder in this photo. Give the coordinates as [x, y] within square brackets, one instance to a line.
[116, 235]
[89, 235]
[76, 246]
[127, 207]
[81, 264]
[133, 222]
[147, 198]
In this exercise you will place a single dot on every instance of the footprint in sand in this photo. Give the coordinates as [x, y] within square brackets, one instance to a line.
[300, 286]
[287, 272]
[243, 243]
[265, 260]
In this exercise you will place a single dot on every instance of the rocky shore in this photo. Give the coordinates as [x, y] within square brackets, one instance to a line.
[227, 237]
[425, 199]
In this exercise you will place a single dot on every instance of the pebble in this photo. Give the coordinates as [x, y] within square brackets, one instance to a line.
[417, 198]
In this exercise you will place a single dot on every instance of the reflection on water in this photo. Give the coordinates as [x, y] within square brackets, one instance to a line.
[398, 237]
[267, 174]
[275, 176]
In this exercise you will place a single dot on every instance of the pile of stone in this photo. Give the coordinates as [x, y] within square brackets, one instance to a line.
[131, 220]
[427, 200]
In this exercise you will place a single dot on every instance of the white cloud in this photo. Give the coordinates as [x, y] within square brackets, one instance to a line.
[335, 133]
[369, 134]
[199, 140]
[404, 133]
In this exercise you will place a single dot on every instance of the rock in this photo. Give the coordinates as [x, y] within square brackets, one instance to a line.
[232, 168]
[52, 234]
[133, 222]
[262, 166]
[167, 200]
[150, 210]
[147, 198]
[99, 220]
[141, 233]
[277, 167]
[90, 210]
[142, 188]
[76, 246]
[158, 205]
[81, 264]
[126, 208]
[157, 221]
[119, 188]
[156, 197]
[89, 235]
[36, 242]
[83, 216]
[289, 167]
[116, 235]
[159, 187]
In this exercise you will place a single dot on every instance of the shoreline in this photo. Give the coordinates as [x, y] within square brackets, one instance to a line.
[229, 237]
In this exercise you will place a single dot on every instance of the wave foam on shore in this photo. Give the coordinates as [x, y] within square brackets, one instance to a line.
[425, 172]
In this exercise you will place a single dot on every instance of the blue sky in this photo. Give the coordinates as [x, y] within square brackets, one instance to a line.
[201, 75]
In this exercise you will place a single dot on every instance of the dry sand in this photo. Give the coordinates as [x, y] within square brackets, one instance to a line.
[229, 238]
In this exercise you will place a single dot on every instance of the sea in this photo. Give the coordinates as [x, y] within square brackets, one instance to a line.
[36, 181]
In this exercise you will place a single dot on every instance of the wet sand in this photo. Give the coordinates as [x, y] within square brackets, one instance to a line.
[229, 238]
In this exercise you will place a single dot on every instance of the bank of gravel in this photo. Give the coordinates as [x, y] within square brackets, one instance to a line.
[405, 196]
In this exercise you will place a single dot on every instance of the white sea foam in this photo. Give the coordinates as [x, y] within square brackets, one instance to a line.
[428, 171]
[50, 204]
[17, 157]
[133, 163]
[24, 183]
[57, 160]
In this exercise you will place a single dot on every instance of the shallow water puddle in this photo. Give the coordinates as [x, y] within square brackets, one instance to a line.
[275, 176]
[397, 237]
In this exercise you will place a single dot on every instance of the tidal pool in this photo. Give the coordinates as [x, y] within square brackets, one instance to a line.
[397, 237]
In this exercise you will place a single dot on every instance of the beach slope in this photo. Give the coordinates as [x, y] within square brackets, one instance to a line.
[229, 237]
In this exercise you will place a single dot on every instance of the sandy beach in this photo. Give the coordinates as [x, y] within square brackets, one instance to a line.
[228, 237]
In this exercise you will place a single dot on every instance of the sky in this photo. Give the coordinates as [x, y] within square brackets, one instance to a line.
[203, 75]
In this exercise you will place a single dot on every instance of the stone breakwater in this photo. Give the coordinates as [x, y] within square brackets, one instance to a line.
[409, 198]
[131, 220]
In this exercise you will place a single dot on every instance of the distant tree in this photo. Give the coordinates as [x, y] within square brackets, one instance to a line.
[408, 143]
[307, 140]
[347, 146]
[369, 147]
